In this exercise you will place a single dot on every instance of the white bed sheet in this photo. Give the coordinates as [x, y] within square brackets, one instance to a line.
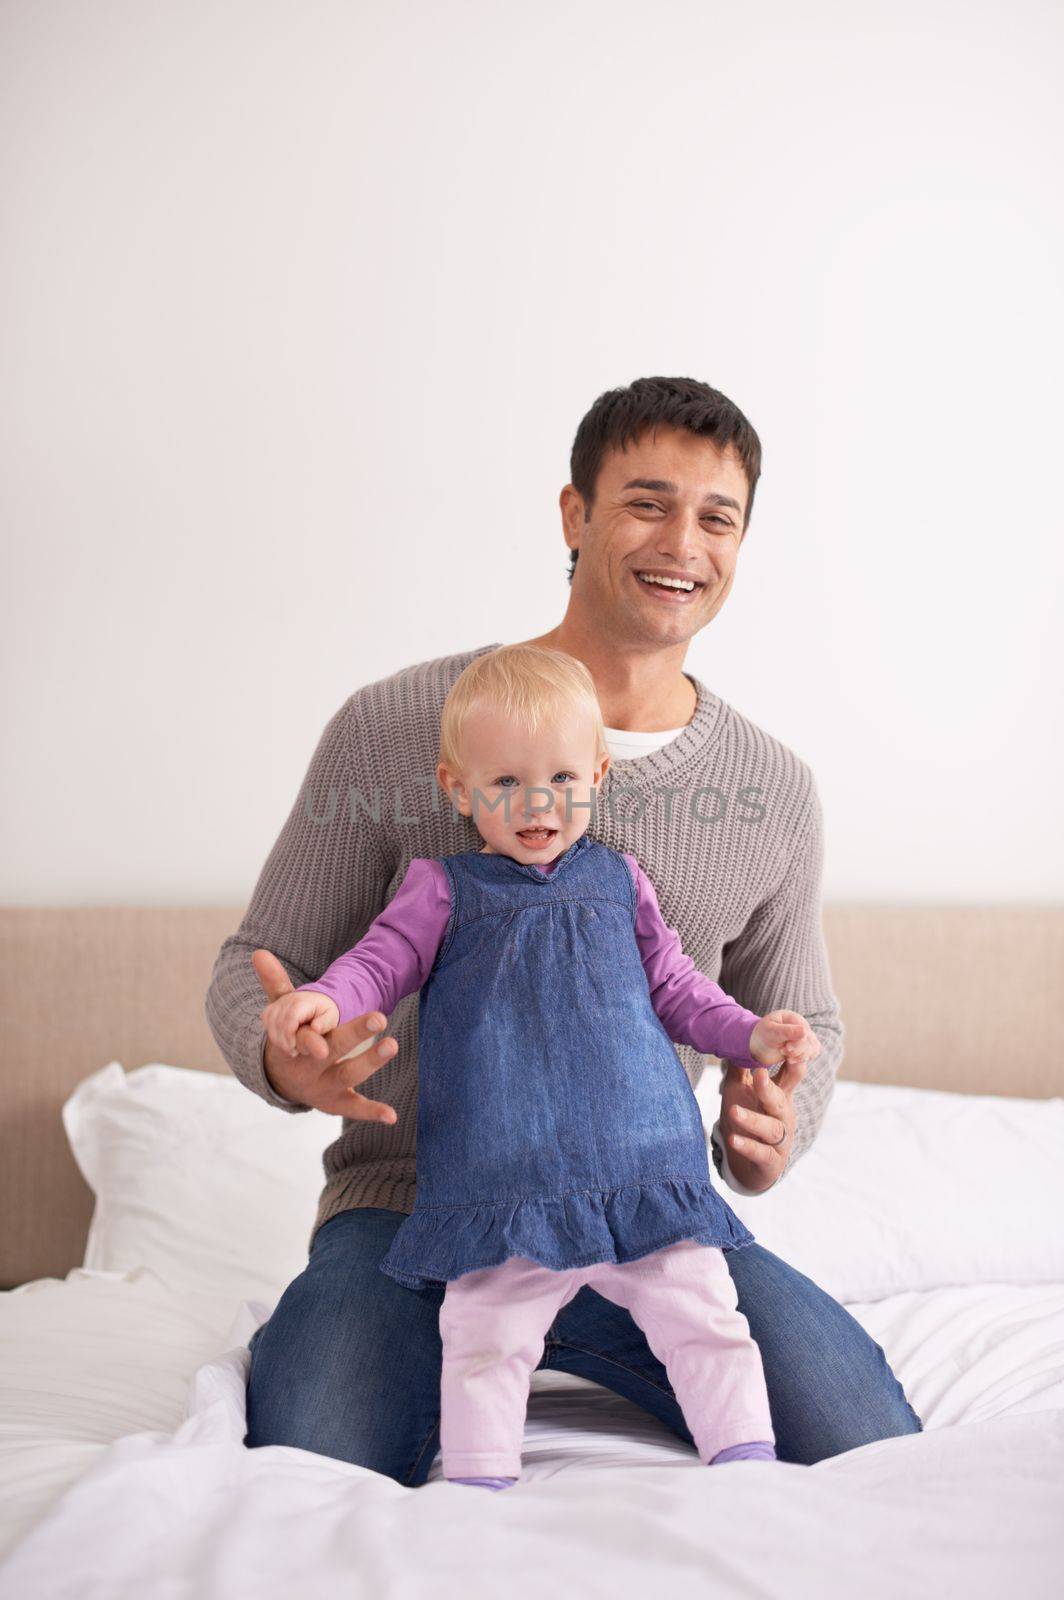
[121, 1460]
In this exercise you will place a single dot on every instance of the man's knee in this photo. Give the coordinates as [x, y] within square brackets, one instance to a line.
[830, 1385]
[879, 1411]
[364, 1426]
[348, 1365]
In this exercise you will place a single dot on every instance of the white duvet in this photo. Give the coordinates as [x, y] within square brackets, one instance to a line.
[124, 1473]
[122, 1467]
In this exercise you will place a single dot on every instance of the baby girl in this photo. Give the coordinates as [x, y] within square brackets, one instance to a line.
[559, 1141]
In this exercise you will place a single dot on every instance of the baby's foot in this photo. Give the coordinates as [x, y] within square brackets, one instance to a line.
[759, 1450]
[488, 1483]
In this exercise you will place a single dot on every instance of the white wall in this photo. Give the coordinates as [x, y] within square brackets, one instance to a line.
[301, 307]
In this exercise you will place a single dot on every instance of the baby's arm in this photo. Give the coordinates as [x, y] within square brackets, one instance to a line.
[692, 1008]
[391, 960]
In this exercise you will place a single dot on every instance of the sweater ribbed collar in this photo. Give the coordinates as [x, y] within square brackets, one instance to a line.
[663, 766]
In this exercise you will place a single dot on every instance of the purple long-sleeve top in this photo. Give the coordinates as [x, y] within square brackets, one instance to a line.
[396, 954]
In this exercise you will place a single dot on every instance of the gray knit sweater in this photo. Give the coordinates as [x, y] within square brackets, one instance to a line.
[725, 820]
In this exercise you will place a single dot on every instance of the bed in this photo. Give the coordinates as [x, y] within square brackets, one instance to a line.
[136, 1265]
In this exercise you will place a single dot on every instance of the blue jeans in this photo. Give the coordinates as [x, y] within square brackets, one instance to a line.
[349, 1363]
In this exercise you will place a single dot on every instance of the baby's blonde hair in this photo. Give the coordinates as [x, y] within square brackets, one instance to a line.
[527, 682]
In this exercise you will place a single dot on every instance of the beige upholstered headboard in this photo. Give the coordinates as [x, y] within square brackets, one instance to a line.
[939, 997]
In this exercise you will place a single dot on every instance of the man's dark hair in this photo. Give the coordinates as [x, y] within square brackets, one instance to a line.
[622, 415]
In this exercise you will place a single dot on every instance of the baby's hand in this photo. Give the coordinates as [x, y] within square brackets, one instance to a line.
[783, 1036]
[301, 1008]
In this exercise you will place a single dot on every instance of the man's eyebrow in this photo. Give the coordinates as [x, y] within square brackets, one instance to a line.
[663, 486]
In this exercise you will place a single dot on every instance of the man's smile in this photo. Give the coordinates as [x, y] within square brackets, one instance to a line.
[668, 587]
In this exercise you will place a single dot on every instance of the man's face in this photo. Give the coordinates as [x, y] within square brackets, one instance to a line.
[672, 503]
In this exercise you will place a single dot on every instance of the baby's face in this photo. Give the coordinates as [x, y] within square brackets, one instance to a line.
[513, 781]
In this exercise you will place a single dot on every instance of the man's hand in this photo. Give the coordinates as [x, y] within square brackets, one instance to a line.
[322, 1073]
[756, 1111]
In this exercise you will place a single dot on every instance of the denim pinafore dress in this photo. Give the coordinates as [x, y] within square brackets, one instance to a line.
[555, 1119]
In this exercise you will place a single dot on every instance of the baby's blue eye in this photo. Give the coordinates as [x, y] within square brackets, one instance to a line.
[507, 780]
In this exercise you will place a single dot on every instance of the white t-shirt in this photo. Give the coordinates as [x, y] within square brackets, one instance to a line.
[627, 746]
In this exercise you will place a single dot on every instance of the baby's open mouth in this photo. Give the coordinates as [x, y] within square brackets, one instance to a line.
[537, 833]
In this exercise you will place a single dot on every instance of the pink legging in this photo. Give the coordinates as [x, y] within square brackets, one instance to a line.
[493, 1324]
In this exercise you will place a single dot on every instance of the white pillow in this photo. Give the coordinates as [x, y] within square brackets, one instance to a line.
[904, 1189]
[912, 1189]
[197, 1178]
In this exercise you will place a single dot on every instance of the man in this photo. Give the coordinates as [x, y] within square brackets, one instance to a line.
[726, 821]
